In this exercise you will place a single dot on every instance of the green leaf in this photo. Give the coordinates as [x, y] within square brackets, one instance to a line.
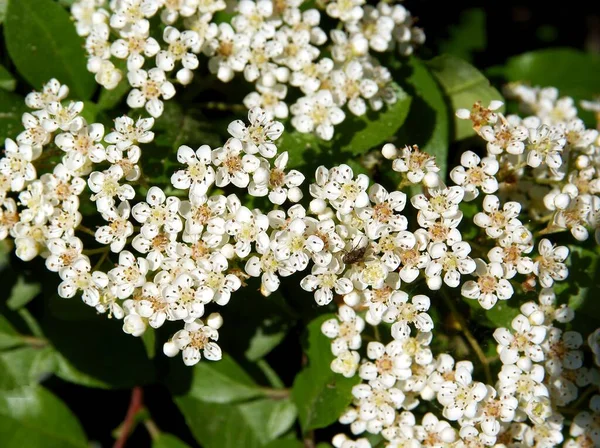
[12, 107]
[34, 417]
[582, 288]
[149, 340]
[251, 425]
[285, 443]
[463, 85]
[427, 124]
[355, 136]
[105, 354]
[25, 366]
[9, 337]
[502, 314]
[320, 394]
[165, 440]
[42, 43]
[222, 382]
[22, 293]
[573, 72]
[7, 82]
[466, 37]
[3, 7]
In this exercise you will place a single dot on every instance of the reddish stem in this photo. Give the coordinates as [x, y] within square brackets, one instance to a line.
[135, 405]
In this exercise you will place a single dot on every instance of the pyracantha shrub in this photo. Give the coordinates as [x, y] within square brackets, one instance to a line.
[394, 253]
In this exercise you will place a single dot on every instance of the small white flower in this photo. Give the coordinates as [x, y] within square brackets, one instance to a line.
[106, 186]
[181, 45]
[199, 174]
[260, 135]
[461, 396]
[150, 87]
[345, 330]
[232, 165]
[194, 340]
[77, 277]
[129, 132]
[550, 266]
[317, 113]
[472, 177]
[129, 274]
[524, 342]
[495, 221]
[490, 285]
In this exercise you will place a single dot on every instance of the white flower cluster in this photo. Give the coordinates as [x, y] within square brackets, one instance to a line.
[186, 249]
[275, 44]
[543, 168]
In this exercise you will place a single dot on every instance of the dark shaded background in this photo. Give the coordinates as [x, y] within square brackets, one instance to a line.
[511, 28]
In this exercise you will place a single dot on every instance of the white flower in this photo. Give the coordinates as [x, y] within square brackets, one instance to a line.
[294, 246]
[180, 46]
[52, 92]
[259, 136]
[16, 164]
[275, 182]
[106, 186]
[452, 264]
[317, 113]
[439, 432]
[129, 274]
[388, 363]
[77, 277]
[248, 227]
[233, 166]
[495, 221]
[504, 136]
[214, 283]
[132, 47]
[129, 132]
[345, 10]
[550, 266]
[150, 86]
[345, 330]
[472, 177]
[415, 163]
[441, 203]
[525, 341]
[461, 396]
[271, 99]
[229, 52]
[545, 144]
[323, 280]
[346, 363]
[63, 253]
[490, 285]
[158, 212]
[199, 174]
[118, 229]
[194, 340]
[82, 146]
[384, 213]
[350, 86]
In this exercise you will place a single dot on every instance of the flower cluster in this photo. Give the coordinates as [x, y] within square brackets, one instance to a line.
[274, 44]
[388, 257]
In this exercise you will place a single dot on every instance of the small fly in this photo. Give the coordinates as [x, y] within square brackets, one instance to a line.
[357, 254]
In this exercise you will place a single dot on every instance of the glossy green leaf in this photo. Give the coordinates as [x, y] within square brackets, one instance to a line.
[285, 443]
[12, 107]
[467, 36]
[9, 337]
[42, 43]
[25, 366]
[105, 353]
[582, 289]
[427, 124]
[7, 81]
[222, 382]
[22, 293]
[320, 394]
[251, 425]
[463, 86]
[35, 418]
[502, 314]
[573, 72]
[165, 440]
[3, 7]
[355, 136]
